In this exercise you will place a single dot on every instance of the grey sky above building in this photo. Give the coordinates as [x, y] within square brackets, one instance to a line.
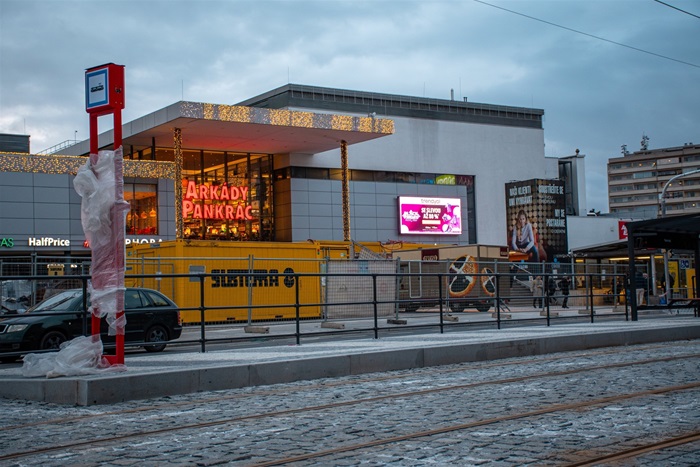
[605, 72]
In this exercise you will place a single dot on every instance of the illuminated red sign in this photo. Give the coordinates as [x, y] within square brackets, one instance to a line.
[622, 230]
[104, 89]
[218, 207]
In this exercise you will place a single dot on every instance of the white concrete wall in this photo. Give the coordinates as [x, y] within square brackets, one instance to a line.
[583, 231]
[493, 154]
[316, 211]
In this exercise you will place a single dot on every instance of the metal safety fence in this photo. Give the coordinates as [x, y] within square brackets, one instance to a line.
[249, 300]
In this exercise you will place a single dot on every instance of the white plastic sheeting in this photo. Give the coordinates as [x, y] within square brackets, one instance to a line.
[95, 183]
[80, 356]
[102, 212]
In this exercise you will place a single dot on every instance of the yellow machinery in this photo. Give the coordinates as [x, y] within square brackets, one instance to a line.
[246, 281]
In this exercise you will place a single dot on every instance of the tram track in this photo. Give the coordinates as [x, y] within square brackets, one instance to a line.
[340, 383]
[479, 423]
[640, 450]
[96, 441]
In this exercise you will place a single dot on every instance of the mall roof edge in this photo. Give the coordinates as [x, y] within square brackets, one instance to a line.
[394, 105]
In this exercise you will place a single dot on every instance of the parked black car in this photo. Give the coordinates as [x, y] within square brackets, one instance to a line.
[150, 317]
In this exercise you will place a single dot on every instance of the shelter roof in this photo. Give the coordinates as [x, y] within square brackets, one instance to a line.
[677, 232]
[219, 127]
[608, 250]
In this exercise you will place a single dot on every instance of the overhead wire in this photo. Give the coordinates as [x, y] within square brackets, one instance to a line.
[676, 8]
[588, 35]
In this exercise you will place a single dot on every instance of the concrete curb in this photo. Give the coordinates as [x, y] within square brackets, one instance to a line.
[344, 359]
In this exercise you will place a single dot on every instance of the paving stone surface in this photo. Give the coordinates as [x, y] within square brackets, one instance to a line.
[225, 427]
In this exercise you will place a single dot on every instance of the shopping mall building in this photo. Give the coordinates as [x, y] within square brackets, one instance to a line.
[271, 168]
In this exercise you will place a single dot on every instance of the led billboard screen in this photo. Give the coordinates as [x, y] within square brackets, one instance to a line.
[434, 216]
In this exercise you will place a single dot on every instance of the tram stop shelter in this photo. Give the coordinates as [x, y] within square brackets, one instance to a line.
[677, 233]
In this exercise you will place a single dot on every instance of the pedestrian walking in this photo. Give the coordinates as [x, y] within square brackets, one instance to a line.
[565, 285]
[621, 291]
[640, 285]
[537, 291]
[551, 290]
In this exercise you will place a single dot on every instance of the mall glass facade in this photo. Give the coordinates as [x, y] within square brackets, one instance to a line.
[226, 195]
[246, 181]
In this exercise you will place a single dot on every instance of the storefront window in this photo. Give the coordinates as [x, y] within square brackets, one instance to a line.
[227, 196]
[142, 218]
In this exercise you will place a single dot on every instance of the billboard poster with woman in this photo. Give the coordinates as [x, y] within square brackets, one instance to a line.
[536, 220]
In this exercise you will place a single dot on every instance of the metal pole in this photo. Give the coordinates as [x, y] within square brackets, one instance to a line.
[249, 283]
[590, 291]
[202, 311]
[297, 314]
[374, 303]
[631, 291]
[442, 321]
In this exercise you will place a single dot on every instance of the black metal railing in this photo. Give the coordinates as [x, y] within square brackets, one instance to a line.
[294, 306]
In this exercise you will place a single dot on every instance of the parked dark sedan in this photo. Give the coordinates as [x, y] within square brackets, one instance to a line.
[150, 317]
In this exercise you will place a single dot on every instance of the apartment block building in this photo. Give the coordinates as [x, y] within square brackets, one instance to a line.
[636, 181]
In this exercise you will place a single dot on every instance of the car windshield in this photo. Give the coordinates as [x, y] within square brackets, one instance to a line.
[58, 302]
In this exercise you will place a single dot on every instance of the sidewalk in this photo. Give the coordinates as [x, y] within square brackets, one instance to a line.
[170, 373]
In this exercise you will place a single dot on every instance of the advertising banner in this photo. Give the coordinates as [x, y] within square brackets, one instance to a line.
[536, 219]
[622, 233]
[425, 215]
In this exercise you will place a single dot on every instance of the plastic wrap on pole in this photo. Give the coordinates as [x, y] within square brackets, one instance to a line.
[103, 211]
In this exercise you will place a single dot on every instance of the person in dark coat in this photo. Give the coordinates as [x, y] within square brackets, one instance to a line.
[551, 290]
[640, 284]
[622, 291]
[565, 285]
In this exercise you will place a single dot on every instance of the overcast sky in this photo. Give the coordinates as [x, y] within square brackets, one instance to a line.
[604, 71]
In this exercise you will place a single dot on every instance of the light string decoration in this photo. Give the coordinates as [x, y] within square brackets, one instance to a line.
[177, 147]
[345, 189]
[69, 165]
[284, 117]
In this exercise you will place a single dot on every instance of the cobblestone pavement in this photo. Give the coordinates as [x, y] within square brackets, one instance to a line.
[487, 391]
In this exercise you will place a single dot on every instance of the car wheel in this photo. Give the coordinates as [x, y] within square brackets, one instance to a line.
[52, 340]
[156, 333]
[456, 307]
[483, 307]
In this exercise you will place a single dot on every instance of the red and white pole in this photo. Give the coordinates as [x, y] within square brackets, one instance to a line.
[104, 95]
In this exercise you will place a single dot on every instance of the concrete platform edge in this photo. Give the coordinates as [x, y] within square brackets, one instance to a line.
[119, 387]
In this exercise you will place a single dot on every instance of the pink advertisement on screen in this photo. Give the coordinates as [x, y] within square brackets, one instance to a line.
[434, 216]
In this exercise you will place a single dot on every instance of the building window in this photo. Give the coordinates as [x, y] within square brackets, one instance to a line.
[320, 174]
[617, 188]
[142, 218]
[361, 176]
[227, 196]
[617, 178]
